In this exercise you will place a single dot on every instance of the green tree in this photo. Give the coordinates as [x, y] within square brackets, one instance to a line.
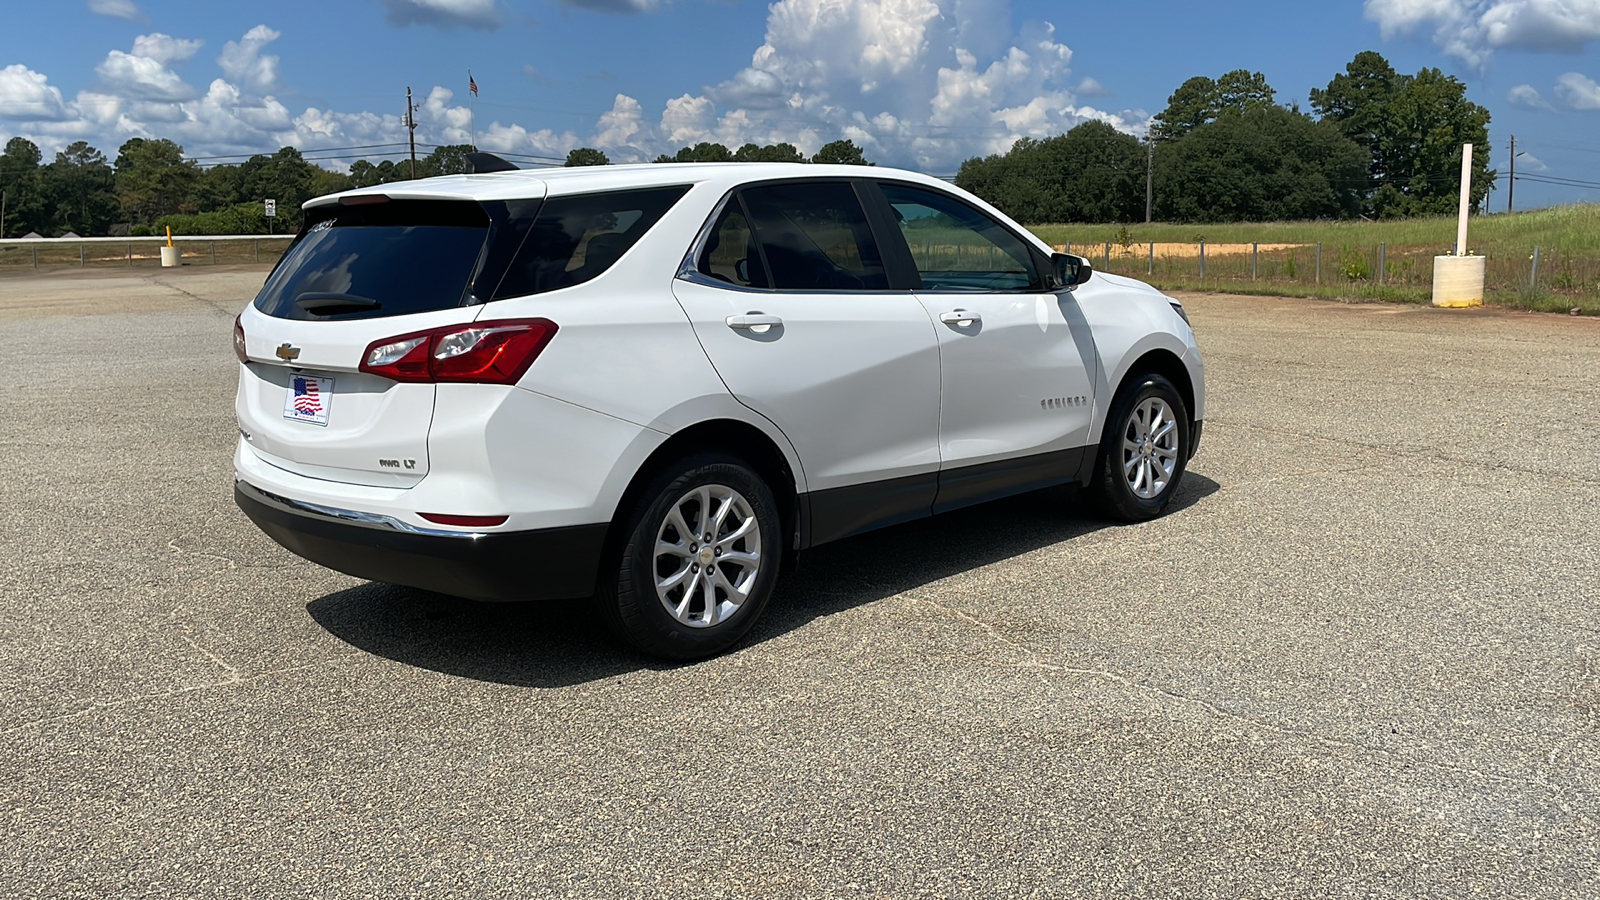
[1265, 163]
[701, 152]
[587, 156]
[450, 159]
[26, 206]
[1200, 101]
[784, 152]
[81, 190]
[1413, 127]
[324, 182]
[154, 180]
[219, 187]
[843, 152]
[1093, 173]
[284, 176]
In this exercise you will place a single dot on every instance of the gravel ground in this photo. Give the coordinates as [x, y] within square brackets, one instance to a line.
[1359, 658]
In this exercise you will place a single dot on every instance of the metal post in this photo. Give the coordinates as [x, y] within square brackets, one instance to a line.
[1108, 255]
[1533, 278]
[1202, 259]
[213, 253]
[1255, 247]
[130, 254]
[82, 261]
[258, 250]
[1383, 259]
[36, 257]
[1152, 268]
[1319, 262]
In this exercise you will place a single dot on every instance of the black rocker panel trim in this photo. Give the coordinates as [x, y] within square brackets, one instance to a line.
[981, 483]
[841, 512]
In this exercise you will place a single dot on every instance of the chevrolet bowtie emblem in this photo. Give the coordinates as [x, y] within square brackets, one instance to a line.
[287, 352]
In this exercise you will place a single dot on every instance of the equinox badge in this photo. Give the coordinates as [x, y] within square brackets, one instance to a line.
[286, 352]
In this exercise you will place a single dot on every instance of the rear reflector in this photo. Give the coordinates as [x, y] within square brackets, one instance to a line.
[238, 339]
[494, 352]
[465, 521]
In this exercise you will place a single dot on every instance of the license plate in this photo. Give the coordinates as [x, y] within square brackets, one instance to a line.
[308, 399]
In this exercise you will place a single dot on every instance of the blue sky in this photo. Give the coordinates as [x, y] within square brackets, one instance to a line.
[918, 83]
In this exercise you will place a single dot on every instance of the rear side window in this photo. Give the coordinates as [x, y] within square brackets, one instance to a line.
[574, 239]
[815, 237]
[381, 259]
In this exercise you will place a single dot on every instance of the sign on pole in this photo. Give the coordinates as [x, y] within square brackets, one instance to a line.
[272, 208]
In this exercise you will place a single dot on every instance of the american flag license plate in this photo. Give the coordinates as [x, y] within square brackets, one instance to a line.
[308, 399]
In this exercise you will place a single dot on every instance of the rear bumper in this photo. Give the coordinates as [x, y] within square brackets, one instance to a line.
[543, 564]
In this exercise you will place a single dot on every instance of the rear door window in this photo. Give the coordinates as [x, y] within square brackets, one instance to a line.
[387, 258]
[815, 237]
[575, 238]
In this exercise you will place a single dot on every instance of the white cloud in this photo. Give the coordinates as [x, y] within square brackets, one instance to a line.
[624, 7]
[924, 83]
[1578, 91]
[1526, 95]
[120, 9]
[142, 77]
[164, 48]
[243, 61]
[1090, 87]
[445, 14]
[27, 95]
[1472, 30]
[918, 83]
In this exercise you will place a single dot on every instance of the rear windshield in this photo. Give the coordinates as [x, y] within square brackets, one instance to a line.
[382, 259]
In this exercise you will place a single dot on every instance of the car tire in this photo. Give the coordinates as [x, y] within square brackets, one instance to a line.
[1143, 452]
[674, 595]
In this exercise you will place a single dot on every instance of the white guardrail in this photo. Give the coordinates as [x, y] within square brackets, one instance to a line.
[186, 238]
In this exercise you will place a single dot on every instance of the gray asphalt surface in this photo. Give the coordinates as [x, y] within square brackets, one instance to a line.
[1360, 658]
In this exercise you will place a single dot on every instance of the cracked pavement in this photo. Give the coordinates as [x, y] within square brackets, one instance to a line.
[1359, 658]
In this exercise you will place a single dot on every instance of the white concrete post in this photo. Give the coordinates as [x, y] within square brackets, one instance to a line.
[1458, 279]
[1466, 191]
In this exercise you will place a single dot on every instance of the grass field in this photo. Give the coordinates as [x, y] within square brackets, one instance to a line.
[1285, 262]
[107, 254]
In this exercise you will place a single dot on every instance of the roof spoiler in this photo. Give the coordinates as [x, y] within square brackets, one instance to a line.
[481, 163]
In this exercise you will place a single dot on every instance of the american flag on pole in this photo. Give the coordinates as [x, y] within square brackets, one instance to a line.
[307, 399]
[472, 85]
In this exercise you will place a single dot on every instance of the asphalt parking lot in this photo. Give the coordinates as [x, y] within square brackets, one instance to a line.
[1360, 658]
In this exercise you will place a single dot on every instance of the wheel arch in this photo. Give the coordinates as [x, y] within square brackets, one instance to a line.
[734, 437]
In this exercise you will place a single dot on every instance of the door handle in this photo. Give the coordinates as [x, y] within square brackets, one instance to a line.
[960, 318]
[754, 320]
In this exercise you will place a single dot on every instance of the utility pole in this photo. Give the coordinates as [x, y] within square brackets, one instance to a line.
[411, 131]
[1511, 185]
[1149, 179]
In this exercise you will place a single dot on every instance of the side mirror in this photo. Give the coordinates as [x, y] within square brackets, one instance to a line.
[1069, 271]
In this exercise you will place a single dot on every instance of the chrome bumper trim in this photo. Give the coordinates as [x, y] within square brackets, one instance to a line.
[351, 516]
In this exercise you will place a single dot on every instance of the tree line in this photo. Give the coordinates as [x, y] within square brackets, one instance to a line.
[1380, 145]
[151, 185]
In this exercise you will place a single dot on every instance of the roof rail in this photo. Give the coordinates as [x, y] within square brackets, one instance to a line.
[480, 163]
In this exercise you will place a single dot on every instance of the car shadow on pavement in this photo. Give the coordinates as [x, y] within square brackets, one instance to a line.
[553, 644]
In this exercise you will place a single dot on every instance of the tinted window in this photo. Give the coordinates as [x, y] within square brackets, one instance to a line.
[382, 259]
[574, 239]
[958, 248]
[730, 252]
[815, 237]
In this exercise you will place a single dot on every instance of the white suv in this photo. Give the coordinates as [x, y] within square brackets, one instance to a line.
[656, 385]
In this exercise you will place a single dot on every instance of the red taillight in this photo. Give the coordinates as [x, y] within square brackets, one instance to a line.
[238, 340]
[465, 521]
[494, 352]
